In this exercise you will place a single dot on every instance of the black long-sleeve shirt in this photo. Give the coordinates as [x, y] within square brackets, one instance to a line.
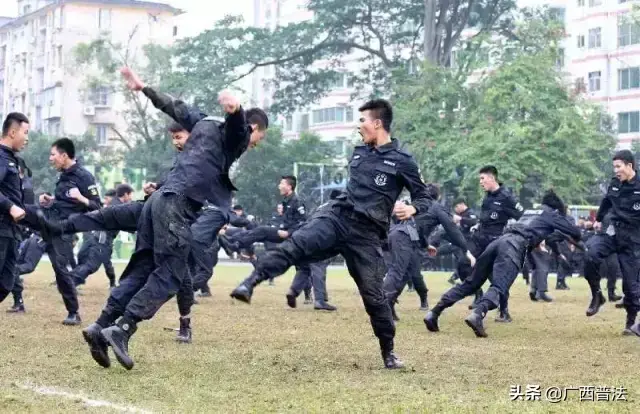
[75, 177]
[201, 171]
[497, 208]
[543, 225]
[437, 215]
[294, 213]
[622, 201]
[377, 176]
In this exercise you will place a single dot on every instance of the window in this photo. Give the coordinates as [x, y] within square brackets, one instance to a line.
[628, 32]
[580, 41]
[59, 56]
[288, 123]
[330, 115]
[175, 31]
[594, 3]
[101, 134]
[580, 3]
[99, 96]
[595, 38]
[104, 19]
[40, 79]
[38, 125]
[339, 146]
[338, 81]
[3, 56]
[594, 81]
[628, 122]
[349, 114]
[26, 9]
[629, 78]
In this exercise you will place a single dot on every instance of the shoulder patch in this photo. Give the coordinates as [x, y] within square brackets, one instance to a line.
[301, 210]
[93, 190]
[519, 207]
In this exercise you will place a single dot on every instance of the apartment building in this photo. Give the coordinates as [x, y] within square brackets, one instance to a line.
[603, 58]
[334, 117]
[37, 74]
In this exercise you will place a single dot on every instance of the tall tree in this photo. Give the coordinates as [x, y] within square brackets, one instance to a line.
[521, 116]
[145, 141]
[382, 35]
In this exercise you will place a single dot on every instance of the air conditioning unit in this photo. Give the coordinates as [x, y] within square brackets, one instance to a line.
[89, 110]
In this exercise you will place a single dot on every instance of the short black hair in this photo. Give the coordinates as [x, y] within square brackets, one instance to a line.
[380, 109]
[123, 189]
[237, 207]
[459, 201]
[291, 180]
[256, 116]
[489, 169]
[110, 193]
[13, 119]
[625, 156]
[66, 146]
[433, 191]
[175, 127]
[551, 199]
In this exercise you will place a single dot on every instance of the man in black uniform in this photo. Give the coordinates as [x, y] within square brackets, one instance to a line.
[466, 218]
[502, 260]
[356, 223]
[15, 135]
[97, 246]
[159, 264]
[407, 238]
[610, 267]
[76, 192]
[498, 207]
[622, 237]
[293, 216]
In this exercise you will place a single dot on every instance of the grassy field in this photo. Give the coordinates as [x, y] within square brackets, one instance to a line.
[268, 358]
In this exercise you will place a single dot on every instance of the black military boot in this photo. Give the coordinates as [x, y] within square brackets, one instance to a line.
[474, 321]
[72, 319]
[17, 308]
[543, 296]
[533, 297]
[244, 291]
[118, 338]
[596, 302]
[424, 305]
[98, 346]
[322, 305]
[613, 297]
[291, 299]
[204, 294]
[308, 300]
[503, 316]
[631, 320]
[635, 329]
[391, 360]
[184, 334]
[431, 321]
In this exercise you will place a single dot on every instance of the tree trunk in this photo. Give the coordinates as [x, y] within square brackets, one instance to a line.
[430, 52]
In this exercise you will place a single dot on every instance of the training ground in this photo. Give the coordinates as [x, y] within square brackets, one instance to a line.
[265, 357]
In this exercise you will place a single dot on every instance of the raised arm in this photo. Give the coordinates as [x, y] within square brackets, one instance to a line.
[178, 110]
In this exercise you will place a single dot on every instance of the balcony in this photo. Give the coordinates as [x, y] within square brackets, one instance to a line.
[52, 112]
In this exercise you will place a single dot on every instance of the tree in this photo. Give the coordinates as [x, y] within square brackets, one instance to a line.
[258, 172]
[521, 117]
[384, 35]
[36, 155]
[145, 139]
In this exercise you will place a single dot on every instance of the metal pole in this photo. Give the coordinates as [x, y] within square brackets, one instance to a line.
[295, 171]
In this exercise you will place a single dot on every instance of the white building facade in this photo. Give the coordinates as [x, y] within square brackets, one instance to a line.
[37, 74]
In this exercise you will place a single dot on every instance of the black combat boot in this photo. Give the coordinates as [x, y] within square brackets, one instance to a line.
[184, 334]
[596, 302]
[118, 338]
[98, 346]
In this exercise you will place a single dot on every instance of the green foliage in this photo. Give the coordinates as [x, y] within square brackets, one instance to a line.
[308, 54]
[522, 118]
[36, 155]
[258, 172]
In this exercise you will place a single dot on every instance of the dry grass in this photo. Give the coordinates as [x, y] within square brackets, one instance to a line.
[268, 358]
